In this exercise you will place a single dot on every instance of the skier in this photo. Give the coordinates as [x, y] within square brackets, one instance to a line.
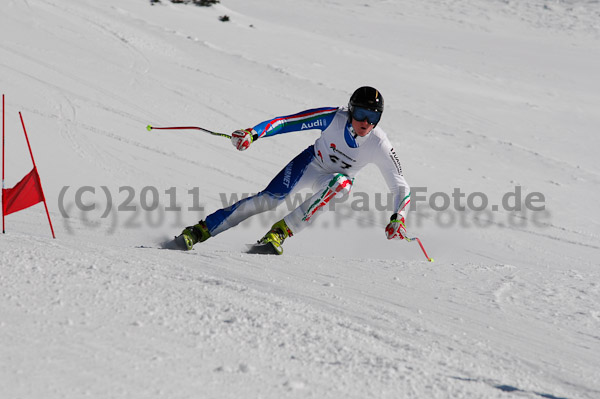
[350, 139]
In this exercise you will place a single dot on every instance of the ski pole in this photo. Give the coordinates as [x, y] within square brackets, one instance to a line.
[411, 239]
[150, 127]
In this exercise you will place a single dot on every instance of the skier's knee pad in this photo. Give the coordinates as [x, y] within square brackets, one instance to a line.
[340, 184]
[337, 187]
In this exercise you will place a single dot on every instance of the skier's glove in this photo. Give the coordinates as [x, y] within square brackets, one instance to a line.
[395, 228]
[241, 139]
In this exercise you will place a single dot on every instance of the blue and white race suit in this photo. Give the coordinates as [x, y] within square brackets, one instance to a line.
[327, 167]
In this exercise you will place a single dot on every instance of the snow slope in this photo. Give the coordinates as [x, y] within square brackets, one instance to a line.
[482, 96]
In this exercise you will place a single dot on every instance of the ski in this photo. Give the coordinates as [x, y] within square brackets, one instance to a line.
[177, 243]
[268, 248]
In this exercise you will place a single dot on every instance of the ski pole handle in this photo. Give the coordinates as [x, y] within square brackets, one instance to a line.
[150, 128]
[410, 239]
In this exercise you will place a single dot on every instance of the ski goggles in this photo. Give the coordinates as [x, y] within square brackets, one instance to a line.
[360, 114]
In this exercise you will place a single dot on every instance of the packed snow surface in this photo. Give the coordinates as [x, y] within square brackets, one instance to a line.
[492, 106]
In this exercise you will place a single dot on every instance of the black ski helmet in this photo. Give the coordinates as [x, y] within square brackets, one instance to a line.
[366, 97]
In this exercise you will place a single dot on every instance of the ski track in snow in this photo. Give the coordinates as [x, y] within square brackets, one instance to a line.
[481, 95]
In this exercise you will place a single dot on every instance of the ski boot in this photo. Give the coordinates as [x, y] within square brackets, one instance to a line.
[192, 235]
[271, 243]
